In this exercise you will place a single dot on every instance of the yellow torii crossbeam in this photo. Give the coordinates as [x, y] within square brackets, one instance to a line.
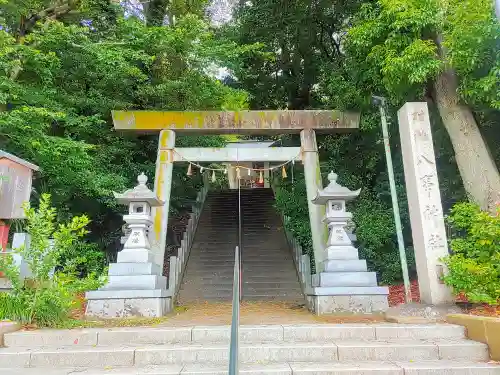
[243, 122]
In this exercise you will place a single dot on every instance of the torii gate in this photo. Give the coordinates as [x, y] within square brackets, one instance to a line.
[307, 123]
[329, 289]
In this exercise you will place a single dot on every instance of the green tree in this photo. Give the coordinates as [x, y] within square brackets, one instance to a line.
[333, 76]
[46, 296]
[61, 80]
[446, 52]
[474, 266]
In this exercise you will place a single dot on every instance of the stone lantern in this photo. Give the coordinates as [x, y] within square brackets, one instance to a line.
[343, 283]
[136, 286]
[337, 218]
[139, 200]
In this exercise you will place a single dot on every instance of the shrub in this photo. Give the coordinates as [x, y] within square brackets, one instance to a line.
[474, 266]
[83, 259]
[45, 299]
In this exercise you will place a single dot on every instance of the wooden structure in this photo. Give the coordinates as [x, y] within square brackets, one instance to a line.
[16, 176]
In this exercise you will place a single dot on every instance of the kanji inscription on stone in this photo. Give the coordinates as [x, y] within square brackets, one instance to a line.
[424, 201]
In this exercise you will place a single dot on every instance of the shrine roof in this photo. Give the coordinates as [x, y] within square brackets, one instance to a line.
[15, 159]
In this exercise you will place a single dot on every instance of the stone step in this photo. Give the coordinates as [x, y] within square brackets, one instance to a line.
[289, 368]
[245, 256]
[247, 291]
[224, 297]
[248, 333]
[342, 350]
[254, 283]
[228, 275]
[250, 246]
[213, 266]
[258, 223]
[252, 265]
[227, 279]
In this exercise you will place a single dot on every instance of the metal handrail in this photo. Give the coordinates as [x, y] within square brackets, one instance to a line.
[235, 319]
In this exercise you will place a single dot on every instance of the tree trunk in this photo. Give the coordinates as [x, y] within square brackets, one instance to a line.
[155, 12]
[479, 172]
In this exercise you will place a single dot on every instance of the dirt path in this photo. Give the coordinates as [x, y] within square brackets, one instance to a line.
[257, 313]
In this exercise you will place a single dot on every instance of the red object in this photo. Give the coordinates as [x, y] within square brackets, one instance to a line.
[4, 234]
[257, 183]
[4, 237]
[397, 293]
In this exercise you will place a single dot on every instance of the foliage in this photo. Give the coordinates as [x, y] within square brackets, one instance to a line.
[45, 297]
[83, 259]
[60, 81]
[474, 266]
[291, 201]
[397, 43]
[349, 51]
[472, 39]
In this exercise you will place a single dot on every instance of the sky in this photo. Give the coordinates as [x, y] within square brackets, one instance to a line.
[221, 10]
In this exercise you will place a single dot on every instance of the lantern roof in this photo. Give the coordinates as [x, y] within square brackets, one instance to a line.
[334, 191]
[140, 193]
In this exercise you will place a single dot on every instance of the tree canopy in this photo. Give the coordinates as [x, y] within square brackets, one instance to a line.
[66, 64]
[338, 54]
[62, 75]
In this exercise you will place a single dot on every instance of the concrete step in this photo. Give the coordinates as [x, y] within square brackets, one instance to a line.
[342, 350]
[265, 247]
[247, 290]
[248, 333]
[289, 368]
[227, 279]
[249, 257]
[259, 263]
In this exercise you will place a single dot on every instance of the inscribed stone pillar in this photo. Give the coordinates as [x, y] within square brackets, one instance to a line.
[424, 201]
[313, 181]
[162, 188]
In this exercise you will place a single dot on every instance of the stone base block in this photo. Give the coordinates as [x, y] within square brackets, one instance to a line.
[142, 282]
[341, 279]
[352, 265]
[364, 304]
[132, 269]
[342, 253]
[132, 256]
[7, 327]
[129, 307]
[5, 284]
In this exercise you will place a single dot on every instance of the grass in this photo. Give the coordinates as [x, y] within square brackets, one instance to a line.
[76, 322]
[110, 323]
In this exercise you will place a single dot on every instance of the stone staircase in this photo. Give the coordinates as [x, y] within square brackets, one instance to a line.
[347, 349]
[268, 271]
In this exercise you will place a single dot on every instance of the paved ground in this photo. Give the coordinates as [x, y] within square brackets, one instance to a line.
[257, 313]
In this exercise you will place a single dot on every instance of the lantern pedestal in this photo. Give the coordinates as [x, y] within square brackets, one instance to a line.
[343, 282]
[136, 286]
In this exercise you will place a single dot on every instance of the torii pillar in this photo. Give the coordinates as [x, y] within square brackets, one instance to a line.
[314, 183]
